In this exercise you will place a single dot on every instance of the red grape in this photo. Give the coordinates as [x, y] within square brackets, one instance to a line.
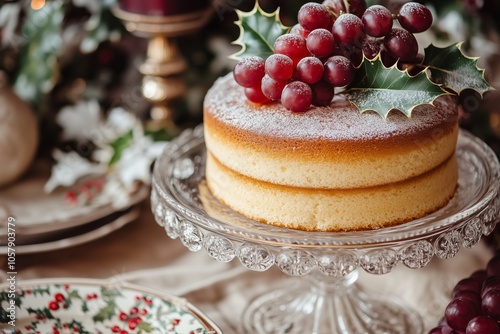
[377, 21]
[279, 67]
[470, 296]
[415, 17]
[322, 93]
[371, 48]
[401, 44]
[249, 71]
[356, 7]
[299, 30]
[255, 94]
[272, 88]
[338, 71]
[459, 312]
[348, 29]
[493, 267]
[320, 42]
[482, 325]
[309, 70]
[297, 96]
[491, 304]
[387, 59]
[467, 284]
[491, 283]
[442, 330]
[314, 16]
[479, 275]
[293, 46]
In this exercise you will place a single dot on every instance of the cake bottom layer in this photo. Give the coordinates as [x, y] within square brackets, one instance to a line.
[333, 209]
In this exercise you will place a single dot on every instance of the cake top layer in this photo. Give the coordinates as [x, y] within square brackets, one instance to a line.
[339, 121]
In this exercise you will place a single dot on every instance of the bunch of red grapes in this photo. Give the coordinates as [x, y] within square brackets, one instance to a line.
[475, 304]
[321, 52]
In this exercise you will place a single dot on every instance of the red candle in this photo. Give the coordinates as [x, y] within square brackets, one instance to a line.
[163, 7]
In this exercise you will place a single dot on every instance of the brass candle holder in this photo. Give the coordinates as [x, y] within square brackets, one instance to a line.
[162, 83]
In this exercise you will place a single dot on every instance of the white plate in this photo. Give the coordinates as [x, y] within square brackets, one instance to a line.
[94, 306]
[38, 215]
[78, 236]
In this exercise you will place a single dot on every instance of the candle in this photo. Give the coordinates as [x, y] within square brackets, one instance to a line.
[163, 7]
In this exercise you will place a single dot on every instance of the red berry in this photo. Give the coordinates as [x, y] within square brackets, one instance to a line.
[132, 324]
[401, 44]
[272, 88]
[53, 305]
[279, 67]
[134, 310]
[371, 49]
[291, 45]
[322, 93]
[255, 95]
[377, 21]
[249, 71]
[297, 96]
[123, 331]
[339, 71]
[299, 30]
[348, 29]
[115, 329]
[415, 17]
[320, 43]
[309, 70]
[356, 7]
[123, 316]
[314, 16]
[59, 297]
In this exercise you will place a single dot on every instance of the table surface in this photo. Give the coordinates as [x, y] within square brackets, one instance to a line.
[141, 253]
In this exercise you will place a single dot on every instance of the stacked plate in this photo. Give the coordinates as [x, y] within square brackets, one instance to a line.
[46, 222]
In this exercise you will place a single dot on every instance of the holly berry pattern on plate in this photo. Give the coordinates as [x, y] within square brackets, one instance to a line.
[96, 307]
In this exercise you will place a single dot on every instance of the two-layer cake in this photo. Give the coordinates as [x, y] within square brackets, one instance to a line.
[331, 168]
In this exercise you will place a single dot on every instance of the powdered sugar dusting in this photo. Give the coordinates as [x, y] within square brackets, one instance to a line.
[338, 122]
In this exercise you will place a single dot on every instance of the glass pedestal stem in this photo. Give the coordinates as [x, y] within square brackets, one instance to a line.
[320, 304]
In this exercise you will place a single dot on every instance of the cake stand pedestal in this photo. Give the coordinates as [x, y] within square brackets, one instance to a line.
[326, 299]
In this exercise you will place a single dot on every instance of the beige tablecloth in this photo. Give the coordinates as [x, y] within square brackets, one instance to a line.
[141, 253]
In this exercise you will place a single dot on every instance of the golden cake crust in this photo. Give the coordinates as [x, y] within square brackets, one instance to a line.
[325, 147]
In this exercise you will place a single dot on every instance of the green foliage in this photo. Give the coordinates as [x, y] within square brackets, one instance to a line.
[119, 145]
[258, 32]
[452, 69]
[41, 31]
[382, 89]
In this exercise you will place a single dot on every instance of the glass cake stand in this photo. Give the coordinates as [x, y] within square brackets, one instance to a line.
[327, 299]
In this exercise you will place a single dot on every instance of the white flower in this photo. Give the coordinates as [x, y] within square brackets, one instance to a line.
[80, 121]
[70, 168]
[121, 121]
[135, 162]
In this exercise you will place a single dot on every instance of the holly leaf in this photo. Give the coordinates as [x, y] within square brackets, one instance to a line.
[105, 313]
[451, 68]
[258, 32]
[381, 89]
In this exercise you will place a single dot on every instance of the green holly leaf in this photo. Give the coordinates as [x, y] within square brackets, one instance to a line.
[258, 32]
[451, 68]
[119, 145]
[105, 313]
[145, 326]
[381, 89]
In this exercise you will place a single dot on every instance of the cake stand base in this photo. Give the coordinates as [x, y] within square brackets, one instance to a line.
[328, 305]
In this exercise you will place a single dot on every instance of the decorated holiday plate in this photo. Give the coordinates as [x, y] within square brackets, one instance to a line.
[96, 307]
